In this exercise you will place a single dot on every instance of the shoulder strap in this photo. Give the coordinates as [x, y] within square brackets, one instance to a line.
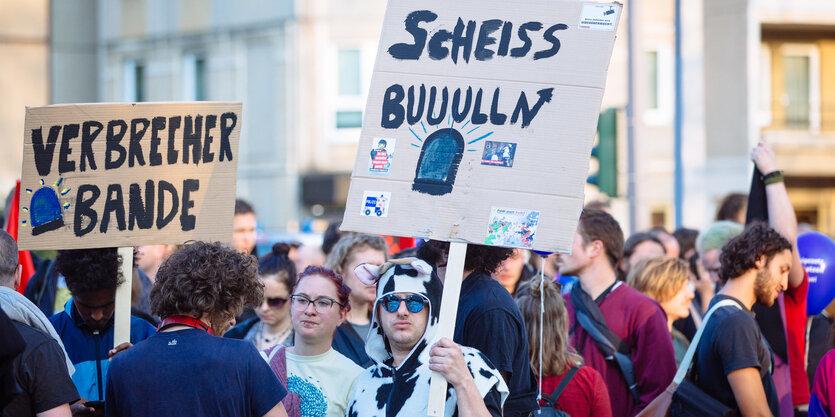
[691, 351]
[587, 313]
[561, 387]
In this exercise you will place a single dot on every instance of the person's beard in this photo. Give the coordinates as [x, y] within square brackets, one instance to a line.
[763, 288]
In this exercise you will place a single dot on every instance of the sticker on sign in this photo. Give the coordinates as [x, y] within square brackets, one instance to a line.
[598, 17]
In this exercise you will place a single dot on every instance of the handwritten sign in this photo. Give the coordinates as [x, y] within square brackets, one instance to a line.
[493, 109]
[103, 175]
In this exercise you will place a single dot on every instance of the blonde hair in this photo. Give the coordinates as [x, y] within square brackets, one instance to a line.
[557, 354]
[342, 253]
[660, 278]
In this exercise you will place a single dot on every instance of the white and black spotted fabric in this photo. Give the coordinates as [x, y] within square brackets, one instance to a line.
[387, 391]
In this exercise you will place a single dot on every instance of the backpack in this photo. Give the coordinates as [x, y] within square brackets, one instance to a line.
[548, 409]
[589, 316]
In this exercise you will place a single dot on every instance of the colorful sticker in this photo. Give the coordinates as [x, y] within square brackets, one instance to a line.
[512, 227]
[382, 152]
[498, 154]
[598, 17]
[375, 203]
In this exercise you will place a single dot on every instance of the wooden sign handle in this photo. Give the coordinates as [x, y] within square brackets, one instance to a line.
[446, 322]
[121, 325]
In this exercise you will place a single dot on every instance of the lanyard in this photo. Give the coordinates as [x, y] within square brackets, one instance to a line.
[186, 321]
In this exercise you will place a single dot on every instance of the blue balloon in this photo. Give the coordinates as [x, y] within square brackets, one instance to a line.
[817, 253]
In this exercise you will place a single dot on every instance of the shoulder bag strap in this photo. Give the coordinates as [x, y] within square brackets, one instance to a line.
[691, 351]
[561, 387]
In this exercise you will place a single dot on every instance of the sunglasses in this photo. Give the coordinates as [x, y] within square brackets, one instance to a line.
[275, 302]
[414, 303]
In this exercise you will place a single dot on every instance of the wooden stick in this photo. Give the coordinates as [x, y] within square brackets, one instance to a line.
[121, 325]
[446, 323]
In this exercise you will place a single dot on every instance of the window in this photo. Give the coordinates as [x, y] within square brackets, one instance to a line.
[801, 86]
[348, 119]
[652, 79]
[194, 78]
[134, 81]
[349, 72]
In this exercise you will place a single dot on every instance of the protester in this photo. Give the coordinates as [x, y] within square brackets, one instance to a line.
[319, 379]
[664, 280]
[686, 242]
[671, 246]
[489, 320]
[733, 208]
[150, 257]
[638, 247]
[42, 370]
[733, 362]
[11, 345]
[47, 288]
[331, 236]
[514, 271]
[350, 251]
[86, 324]
[309, 255]
[405, 320]
[585, 395]
[822, 400]
[632, 317]
[243, 228]
[820, 335]
[709, 246]
[271, 326]
[184, 370]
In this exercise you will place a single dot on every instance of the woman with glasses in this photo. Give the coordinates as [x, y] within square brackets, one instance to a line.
[348, 253]
[319, 379]
[271, 326]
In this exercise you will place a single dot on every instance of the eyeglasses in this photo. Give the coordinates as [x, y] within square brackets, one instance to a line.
[321, 304]
[275, 302]
[414, 303]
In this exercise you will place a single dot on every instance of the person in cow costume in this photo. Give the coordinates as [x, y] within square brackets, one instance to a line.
[404, 323]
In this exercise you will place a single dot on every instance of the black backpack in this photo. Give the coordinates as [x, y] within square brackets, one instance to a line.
[548, 409]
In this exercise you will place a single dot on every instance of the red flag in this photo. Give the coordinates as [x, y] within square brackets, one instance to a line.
[24, 257]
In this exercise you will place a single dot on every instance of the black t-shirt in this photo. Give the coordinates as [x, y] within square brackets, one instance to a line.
[489, 320]
[41, 372]
[732, 341]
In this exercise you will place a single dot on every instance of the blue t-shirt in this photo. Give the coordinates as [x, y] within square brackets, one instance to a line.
[191, 373]
[490, 321]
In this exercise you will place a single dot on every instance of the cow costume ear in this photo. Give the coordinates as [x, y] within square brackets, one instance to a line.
[421, 266]
[368, 274]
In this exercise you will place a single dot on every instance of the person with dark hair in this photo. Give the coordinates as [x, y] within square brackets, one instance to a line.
[636, 321]
[733, 362]
[733, 208]
[86, 324]
[489, 320]
[184, 369]
[405, 322]
[271, 325]
[243, 228]
[514, 271]
[319, 379]
[331, 236]
[822, 398]
[638, 247]
[585, 394]
[42, 370]
[686, 242]
[350, 251]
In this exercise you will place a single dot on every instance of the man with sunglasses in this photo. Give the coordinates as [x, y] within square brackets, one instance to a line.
[86, 324]
[404, 323]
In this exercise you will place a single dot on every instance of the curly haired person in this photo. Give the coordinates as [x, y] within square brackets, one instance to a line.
[184, 369]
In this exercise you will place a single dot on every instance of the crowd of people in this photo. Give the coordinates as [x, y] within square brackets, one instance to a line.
[349, 329]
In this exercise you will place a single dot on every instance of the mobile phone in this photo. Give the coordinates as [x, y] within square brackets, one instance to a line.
[94, 404]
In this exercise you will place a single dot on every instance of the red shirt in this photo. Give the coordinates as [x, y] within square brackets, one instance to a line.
[584, 396]
[641, 323]
[794, 301]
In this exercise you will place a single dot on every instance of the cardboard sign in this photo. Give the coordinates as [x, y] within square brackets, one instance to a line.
[494, 110]
[104, 175]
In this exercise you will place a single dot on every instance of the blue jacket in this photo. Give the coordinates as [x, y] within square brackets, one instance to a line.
[88, 349]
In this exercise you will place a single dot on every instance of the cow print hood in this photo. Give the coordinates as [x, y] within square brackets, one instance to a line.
[387, 391]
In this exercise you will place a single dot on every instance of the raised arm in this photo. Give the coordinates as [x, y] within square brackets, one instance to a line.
[780, 210]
